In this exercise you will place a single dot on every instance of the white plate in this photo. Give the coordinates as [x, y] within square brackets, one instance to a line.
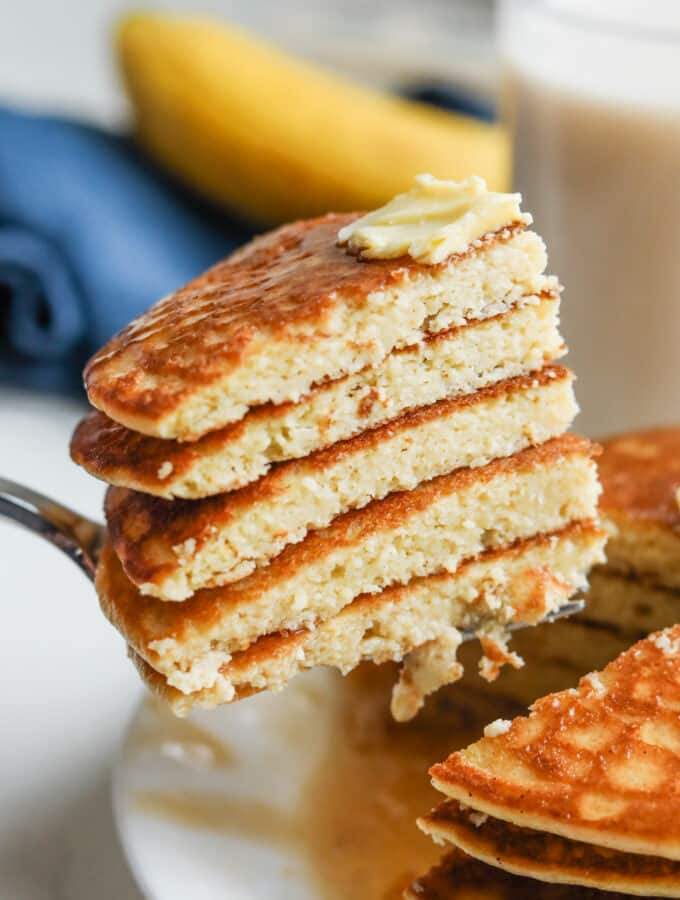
[254, 755]
[309, 793]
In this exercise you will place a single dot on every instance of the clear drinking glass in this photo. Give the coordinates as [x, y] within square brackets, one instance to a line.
[592, 94]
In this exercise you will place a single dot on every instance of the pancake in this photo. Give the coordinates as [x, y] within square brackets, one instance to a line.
[459, 877]
[429, 529]
[171, 549]
[599, 764]
[549, 857]
[640, 474]
[488, 590]
[458, 361]
[288, 311]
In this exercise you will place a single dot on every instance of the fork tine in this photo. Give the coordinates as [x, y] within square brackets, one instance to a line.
[568, 609]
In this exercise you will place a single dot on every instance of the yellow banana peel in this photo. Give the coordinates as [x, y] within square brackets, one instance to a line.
[275, 138]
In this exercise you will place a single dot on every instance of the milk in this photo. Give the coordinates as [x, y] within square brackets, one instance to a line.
[593, 99]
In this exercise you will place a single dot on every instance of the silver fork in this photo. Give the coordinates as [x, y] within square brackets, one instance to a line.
[78, 537]
[81, 539]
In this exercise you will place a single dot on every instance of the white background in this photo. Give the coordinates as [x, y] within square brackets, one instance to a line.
[68, 690]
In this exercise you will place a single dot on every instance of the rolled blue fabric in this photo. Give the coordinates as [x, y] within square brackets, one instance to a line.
[91, 234]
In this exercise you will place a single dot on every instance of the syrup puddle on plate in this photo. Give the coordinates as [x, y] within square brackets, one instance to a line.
[351, 818]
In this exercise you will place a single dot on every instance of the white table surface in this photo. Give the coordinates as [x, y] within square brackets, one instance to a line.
[68, 688]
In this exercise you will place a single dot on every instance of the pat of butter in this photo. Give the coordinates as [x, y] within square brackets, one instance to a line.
[434, 220]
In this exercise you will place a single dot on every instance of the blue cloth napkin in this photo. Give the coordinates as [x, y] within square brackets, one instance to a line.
[90, 235]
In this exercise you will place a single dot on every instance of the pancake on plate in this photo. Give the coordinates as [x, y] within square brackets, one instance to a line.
[584, 790]
[556, 859]
[641, 476]
[459, 877]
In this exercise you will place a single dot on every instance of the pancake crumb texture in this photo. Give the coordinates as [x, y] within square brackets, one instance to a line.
[430, 529]
[172, 549]
[288, 311]
[456, 362]
[390, 624]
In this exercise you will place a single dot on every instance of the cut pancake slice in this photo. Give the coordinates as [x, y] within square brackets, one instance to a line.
[486, 592]
[599, 764]
[171, 549]
[459, 877]
[429, 529]
[549, 857]
[290, 310]
[458, 361]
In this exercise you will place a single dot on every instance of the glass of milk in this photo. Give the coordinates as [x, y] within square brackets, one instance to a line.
[592, 94]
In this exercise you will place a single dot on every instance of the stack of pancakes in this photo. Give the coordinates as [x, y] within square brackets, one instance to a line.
[637, 590]
[317, 459]
[583, 791]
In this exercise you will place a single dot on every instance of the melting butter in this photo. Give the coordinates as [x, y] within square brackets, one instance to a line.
[433, 220]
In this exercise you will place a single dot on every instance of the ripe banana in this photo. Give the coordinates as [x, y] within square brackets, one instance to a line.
[274, 138]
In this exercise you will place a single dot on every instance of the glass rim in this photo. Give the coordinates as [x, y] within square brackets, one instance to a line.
[601, 25]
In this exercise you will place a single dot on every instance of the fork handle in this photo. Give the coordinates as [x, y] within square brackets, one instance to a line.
[77, 536]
